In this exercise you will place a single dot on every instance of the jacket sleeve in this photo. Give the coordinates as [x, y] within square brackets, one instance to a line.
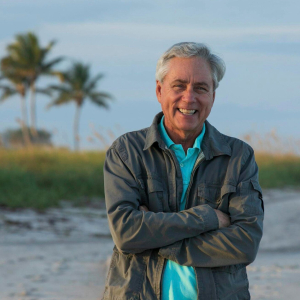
[135, 231]
[235, 244]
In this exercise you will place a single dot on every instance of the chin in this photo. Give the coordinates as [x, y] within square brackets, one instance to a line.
[187, 129]
[188, 126]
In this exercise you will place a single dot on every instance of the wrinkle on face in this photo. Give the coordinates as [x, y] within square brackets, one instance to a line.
[188, 85]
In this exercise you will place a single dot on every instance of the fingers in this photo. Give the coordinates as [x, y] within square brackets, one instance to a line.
[143, 208]
[224, 220]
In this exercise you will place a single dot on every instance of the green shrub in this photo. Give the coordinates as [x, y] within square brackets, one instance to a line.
[40, 179]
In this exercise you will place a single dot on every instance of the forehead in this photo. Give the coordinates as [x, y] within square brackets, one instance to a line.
[194, 69]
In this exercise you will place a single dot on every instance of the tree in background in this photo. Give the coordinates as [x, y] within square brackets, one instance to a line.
[27, 59]
[19, 85]
[14, 138]
[77, 86]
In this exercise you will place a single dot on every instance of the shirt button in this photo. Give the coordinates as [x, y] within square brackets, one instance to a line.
[181, 165]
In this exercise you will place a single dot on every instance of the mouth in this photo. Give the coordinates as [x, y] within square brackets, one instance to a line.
[187, 112]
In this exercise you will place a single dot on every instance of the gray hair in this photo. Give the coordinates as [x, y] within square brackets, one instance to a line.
[190, 49]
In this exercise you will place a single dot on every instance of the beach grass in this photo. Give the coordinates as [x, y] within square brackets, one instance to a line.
[40, 179]
[278, 170]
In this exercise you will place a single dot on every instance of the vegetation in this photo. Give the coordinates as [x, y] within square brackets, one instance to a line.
[13, 138]
[37, 178]
[18, 85]
[78, 85]
[41, 179]
[278, 170]
[26, 61]
[24, 64]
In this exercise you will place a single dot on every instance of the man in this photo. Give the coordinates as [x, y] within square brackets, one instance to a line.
[184, 204]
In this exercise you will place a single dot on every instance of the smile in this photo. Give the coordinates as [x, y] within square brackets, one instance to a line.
[187, 111]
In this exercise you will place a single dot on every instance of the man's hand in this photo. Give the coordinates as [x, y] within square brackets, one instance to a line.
[224, 220]
[143, 208]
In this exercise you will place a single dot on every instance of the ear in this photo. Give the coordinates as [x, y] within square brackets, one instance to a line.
[158, 91]
[214, 95]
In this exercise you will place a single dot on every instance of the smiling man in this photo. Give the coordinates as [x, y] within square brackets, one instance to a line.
[186, 95]
[184, 204]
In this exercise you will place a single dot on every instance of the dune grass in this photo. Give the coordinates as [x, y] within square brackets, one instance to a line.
[278, 170]
[42, 178]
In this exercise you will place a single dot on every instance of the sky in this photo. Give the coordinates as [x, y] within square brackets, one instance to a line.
[258, 40]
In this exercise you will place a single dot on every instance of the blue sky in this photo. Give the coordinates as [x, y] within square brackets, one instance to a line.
[259, 41]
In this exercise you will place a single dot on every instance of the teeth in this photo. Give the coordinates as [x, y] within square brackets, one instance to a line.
[187, 111]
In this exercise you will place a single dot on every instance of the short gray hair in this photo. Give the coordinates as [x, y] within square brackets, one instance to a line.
[190, 49]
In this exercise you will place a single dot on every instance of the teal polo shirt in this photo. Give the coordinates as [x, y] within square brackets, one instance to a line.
[179, 282]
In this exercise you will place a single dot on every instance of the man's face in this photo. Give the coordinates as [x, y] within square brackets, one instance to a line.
[186, 96]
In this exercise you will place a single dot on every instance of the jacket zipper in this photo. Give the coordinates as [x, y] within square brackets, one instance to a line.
[199, 159]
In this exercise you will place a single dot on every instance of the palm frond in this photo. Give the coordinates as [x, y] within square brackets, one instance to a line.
[46, 50]
[93, 82]
[63, 98]
[101, 95]
[45, 91]
[7, 92]
[58, 74]
[79, 75]
[26, 49]
[100, 102]
[51, 44]
[78, 85]
[61, 88]
[47, 67]
[26, 57]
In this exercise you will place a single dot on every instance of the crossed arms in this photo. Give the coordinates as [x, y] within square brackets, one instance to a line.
[193, 237]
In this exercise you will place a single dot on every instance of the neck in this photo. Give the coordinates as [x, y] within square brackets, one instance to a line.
[186, 139]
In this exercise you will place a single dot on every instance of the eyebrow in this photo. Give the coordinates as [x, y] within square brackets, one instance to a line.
[196, 83]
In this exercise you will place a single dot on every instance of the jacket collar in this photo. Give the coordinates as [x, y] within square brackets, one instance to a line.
[213, 144]
[153, 134]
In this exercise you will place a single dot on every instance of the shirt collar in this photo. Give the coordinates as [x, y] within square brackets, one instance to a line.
[169, 142]
[214, 143]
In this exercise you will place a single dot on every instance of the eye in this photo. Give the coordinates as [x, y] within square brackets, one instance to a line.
[201, 89]
[178, 87]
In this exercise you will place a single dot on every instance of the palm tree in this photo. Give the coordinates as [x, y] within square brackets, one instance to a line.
[77, 86]
[27, 59]
[19, 86]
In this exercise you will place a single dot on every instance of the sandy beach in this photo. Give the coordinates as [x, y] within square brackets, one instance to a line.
[64, 253]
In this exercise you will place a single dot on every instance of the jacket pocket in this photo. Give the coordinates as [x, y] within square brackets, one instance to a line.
[252, 198]
[156, 195]
[125, 276]
[231, 282]
[209, 194]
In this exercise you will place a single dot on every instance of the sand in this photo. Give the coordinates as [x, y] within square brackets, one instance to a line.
[64, 253]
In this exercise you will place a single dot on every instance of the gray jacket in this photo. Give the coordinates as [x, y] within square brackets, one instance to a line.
[140, 170]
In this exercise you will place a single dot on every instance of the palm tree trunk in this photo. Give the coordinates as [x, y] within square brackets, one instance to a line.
[33, 111]
[24, 122]
[76, 127]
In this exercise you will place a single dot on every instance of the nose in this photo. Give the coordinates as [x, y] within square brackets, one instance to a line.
[188, 95]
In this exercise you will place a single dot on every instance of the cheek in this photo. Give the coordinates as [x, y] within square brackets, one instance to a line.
[205, 108]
